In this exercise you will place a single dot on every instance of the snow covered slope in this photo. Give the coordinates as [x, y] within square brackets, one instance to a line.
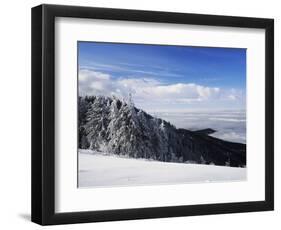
[112, 125]
[97, 169]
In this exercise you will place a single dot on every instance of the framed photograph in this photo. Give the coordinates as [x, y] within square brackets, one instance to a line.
[142, 114]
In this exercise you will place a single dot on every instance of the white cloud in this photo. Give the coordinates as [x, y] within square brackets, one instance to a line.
[148, 90]
[232, 97]
[85, 75]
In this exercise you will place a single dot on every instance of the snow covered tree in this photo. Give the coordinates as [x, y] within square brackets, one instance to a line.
[113, 125]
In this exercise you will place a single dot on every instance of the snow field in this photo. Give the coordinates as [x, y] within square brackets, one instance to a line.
[102, 170]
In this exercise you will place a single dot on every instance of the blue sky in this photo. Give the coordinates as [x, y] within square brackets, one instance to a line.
[158, 76]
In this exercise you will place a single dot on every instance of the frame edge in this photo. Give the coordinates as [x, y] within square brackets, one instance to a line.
[269, 114]
[36, 114]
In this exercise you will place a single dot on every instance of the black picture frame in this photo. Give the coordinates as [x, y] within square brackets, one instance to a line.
[43, 114]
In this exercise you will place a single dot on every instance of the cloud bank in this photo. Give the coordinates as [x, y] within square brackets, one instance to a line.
[149, 92]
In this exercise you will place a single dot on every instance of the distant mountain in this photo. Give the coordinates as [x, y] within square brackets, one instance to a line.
[205, 131]
[111, 125]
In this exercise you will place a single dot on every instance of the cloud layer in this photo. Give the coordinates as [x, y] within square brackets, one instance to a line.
[149, 91]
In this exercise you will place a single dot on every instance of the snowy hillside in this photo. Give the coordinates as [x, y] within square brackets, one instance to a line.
[113, 125]
[97, 169]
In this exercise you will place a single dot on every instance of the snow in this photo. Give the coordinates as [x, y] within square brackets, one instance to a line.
[102, 170]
